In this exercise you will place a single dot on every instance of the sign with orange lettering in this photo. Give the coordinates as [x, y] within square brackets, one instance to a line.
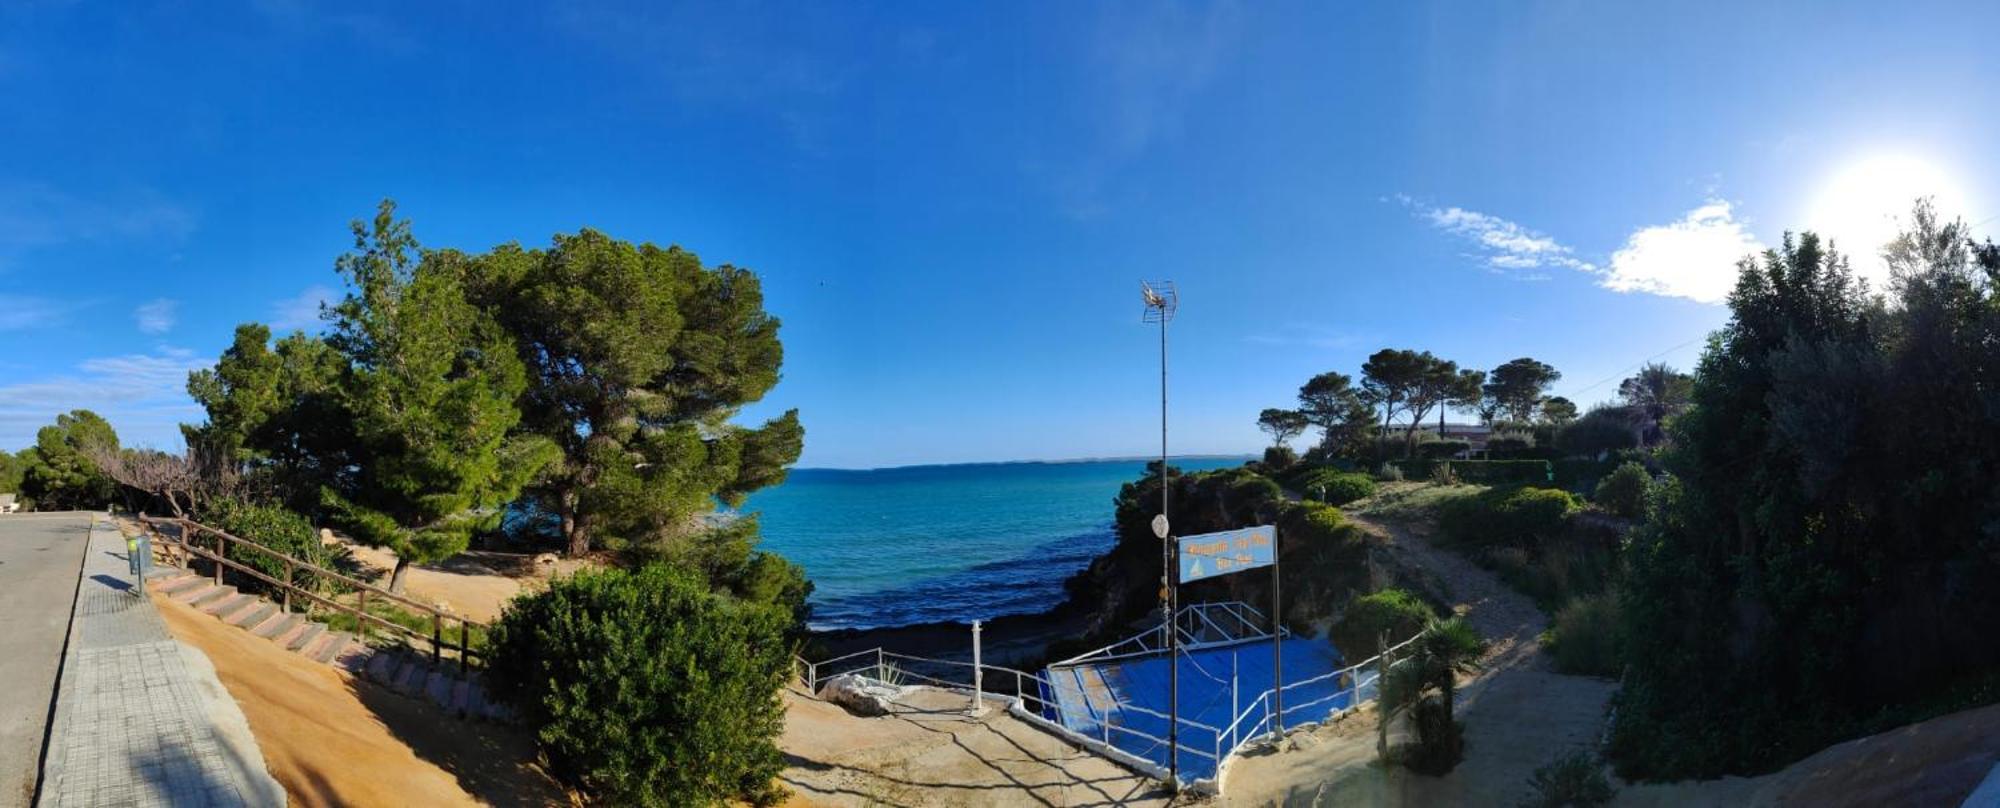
[1211, 554]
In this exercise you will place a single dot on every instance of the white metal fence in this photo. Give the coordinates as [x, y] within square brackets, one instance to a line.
[1031, 696]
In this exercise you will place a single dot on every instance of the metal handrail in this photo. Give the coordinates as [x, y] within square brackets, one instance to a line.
[362, 619]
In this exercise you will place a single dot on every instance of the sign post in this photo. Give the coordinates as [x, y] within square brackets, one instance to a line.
[1209, 555]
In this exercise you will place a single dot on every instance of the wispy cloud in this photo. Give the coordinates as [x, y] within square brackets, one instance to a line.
[1693, 258]
[39, 215]
[1503, 246]
[1304, 335]
[157, 316]
[143, 395]
[301, 313]
[24, 313]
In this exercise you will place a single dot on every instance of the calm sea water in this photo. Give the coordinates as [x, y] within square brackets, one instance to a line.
[891, 547]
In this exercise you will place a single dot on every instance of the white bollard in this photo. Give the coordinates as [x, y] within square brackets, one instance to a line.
[978, 674]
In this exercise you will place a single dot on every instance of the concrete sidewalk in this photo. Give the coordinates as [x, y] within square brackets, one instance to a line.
[141, 720]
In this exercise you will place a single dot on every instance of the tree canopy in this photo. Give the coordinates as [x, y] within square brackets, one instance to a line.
[1817, 557]
[637, 358]
[59, 473]
[1282, 425]
[1515, 388]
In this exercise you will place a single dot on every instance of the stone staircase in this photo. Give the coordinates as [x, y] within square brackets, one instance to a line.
[400, 667]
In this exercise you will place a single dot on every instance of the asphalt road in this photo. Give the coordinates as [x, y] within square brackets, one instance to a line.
[40, 556]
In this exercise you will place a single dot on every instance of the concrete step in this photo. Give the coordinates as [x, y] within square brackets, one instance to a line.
[193, 589]
[461, 690]
[354, 658]
[304, 636]
[278, 624]
[330, 646]
[250, 617]
[410, 680]
[438, 688]
[383, 666]
[213, 594]
[222, 608]
[177, 583]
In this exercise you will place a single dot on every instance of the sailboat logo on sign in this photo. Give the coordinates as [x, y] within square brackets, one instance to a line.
[1226, 552]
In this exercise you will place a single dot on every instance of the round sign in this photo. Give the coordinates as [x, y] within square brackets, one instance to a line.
[1160, 525]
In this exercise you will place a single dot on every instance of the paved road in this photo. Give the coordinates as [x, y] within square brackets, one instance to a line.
[40, 555]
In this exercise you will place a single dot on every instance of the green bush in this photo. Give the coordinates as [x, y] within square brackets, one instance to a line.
[1580, 474]
[1605, 429]
[1520, 516]
[1358, 631]
[277, 528]
[1279, 458]
[1575, 780]
[1482, 472]
[1586, 639]
[1506, 446]
[1623, 492]
[646, 688]
[1438, 449]
[1388, 473]
[1339, 488]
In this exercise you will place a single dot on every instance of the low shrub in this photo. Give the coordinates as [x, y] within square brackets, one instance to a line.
[1580, 475]
[1482, 472]
[1602, 430]
[1506, 445]
[1586, 639]
[1575, 780]
[646, 688]
[1340, 489]
[1439, 449]
[1623, 492]
[1279, 458]
[1388, 473]
[1521, 516]
[1399, 612]
[275, 527]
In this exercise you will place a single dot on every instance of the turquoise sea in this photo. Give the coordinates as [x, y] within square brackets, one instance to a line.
[917, 544]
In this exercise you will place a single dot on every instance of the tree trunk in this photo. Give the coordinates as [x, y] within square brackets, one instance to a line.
[575, 534]
[396, 577]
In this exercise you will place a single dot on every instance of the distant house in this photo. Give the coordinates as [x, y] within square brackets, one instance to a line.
[1475, 434]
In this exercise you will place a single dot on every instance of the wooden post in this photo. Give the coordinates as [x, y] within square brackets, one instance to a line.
[437, 639]
[464, 646]
[218, 558]
[288, 584]
[360, 622]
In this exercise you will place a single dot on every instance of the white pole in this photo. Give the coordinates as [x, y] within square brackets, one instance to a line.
[978, 675]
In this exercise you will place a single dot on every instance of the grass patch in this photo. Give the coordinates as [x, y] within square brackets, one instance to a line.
[419, 622]
[1411, 501]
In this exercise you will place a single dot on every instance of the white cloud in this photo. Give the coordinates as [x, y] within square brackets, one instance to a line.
[20, 313]
[1503, 246]
[300, 313]
[1694, 257]
[143, 395]
[157, 316]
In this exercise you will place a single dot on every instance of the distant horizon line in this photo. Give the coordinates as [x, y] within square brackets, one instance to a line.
[1039, 461]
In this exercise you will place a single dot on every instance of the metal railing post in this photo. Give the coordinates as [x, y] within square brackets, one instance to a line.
[881, 669]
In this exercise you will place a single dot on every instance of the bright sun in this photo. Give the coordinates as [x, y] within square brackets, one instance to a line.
[1863, 205]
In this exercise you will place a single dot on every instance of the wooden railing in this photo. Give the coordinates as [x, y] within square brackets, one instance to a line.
[184, 542]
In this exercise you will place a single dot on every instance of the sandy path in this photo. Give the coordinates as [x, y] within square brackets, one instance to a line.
[461, 585]
[333, 741]
[929, 753]
[1518, 713]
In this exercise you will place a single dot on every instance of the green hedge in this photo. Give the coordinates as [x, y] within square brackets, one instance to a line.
[1336, 487]
[1516, 516]
[1358, 631]
[1439, 449]
[277, 528]
[646, 688]
[1483, 472]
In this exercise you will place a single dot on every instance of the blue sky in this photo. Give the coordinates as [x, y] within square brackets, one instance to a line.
[952, 205]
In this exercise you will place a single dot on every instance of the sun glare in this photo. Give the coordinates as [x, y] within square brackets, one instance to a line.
[1862, 206]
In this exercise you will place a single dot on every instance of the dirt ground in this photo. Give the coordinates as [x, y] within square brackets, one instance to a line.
[929, 753]
[334, 741]
[476, 585]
